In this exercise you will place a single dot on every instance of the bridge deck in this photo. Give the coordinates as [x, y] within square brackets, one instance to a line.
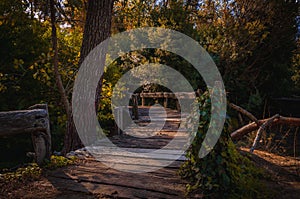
[92, 176]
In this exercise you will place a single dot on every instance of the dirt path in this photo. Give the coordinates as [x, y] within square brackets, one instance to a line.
[284, 173]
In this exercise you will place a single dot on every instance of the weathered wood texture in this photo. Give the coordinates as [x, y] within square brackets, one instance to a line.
[91, 176]
[94, 177]
[34, 121]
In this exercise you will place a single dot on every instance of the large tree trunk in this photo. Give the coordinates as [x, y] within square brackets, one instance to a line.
[97, 29]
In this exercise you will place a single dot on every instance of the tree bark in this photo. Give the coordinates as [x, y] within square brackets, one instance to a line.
[97, 29]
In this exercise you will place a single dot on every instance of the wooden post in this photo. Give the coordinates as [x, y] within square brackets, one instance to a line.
[35, 121]
[166, 97]
[143, 101]
[177, 96]
[119, 119]
[135, 107]
[166, 102]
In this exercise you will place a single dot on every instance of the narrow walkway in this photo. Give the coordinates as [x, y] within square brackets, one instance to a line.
[138, 154]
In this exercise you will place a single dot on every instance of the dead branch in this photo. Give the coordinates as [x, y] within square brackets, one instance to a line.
[244, 112]
[238, 134]
[261, 129]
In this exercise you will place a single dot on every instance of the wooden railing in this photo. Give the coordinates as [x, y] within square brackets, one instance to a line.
[33, 121]
[166, 96]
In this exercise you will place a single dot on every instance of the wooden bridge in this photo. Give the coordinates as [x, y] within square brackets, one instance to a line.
[119, 174]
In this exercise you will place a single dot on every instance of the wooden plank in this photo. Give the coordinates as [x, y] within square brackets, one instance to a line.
[138, 182]
[98, 167]
[155, 144]
[148, 143]
[138, 153]
[133, 167]
[118, 159]
[115, 176]
[143, 150]
[181, 131]
[106, 191]
[145, 119]
[140, 168]
[157, 135]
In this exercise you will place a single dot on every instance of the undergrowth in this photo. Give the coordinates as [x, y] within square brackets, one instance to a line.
[224, 172]
[32, 171]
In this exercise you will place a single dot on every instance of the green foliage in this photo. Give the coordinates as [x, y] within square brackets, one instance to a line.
[26, 70]
[111, 76]
[33, 171]
[59, 161]
[175, 15]
[254, 42]
[42, 71]
[251, 42]
[224, 172]
[21, 42]
[30, 172]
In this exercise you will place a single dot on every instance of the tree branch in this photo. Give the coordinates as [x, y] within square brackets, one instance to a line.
[245, 112]
[238, 134]
[261, 129]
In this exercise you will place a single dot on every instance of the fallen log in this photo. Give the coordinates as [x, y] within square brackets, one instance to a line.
[238, 134]
[34, 121]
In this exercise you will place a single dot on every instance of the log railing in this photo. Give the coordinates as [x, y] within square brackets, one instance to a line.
[34, 121]
[167, 96]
